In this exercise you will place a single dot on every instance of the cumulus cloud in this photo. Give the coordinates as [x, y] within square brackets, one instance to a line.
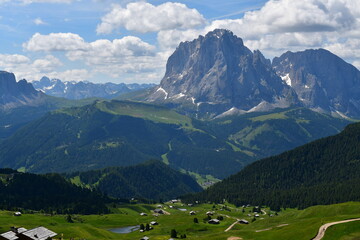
[13, 59]
[24, 67]
[104, 51]
[55, 42]
[47, 64]
[144, 17]
[128, 55]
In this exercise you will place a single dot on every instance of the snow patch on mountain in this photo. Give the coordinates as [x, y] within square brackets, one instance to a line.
[287, 79]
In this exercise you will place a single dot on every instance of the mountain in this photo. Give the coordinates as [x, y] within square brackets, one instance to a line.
[16, 94]
[20, 103]
[150, 180]
[83, 89]
[215, 73]
[50, 193]
[117, 133]
[321, 172]
[322, 80]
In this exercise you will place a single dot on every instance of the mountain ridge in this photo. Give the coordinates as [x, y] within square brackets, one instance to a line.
[83, 89]
[16, 94]
[323, 81]
[216, 72]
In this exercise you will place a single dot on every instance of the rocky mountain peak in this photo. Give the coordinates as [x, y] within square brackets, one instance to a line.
[216, 72]
[322, 80]
[14, 94]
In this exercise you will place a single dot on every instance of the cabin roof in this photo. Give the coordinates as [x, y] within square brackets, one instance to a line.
[39, 233]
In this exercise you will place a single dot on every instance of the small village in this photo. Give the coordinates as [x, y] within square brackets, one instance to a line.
[154, 220]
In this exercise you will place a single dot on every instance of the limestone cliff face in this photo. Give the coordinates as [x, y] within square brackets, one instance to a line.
[322, 81]
[216, 72]
[14, 94]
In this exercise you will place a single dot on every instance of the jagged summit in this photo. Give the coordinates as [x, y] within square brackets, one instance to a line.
[15, 94]
[84, 89]
[216, 72]
[322, 81]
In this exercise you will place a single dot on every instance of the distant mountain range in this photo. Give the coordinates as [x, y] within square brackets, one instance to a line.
[20, 103]
[83, 89]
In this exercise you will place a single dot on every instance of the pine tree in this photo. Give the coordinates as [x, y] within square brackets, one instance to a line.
[173, 233]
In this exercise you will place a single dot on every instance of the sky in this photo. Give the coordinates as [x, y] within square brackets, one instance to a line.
[130, 41]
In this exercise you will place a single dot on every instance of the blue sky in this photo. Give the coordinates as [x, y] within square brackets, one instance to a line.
[130, 41]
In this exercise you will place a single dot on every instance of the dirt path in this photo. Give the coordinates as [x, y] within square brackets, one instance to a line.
[231, 226]
[267, 229]
[323, 228]
[234, 238]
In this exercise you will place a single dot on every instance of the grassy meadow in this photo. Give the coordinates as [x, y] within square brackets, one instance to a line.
[288, 224]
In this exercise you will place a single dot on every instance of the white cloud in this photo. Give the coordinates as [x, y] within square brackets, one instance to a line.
[55, 42]
[144, 17]
[10, 60]
[39, 21]
[128, 55]
[24, 67]
[47, 64]
[104, 51]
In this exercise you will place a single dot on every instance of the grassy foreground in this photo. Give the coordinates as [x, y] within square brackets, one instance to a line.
[288, 224]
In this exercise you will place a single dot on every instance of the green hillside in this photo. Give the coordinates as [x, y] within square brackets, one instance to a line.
[151, 180]
[49, 193]
[117, 133]
[321, 172]
[13, 119]
[123, 133]
[268, 134]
